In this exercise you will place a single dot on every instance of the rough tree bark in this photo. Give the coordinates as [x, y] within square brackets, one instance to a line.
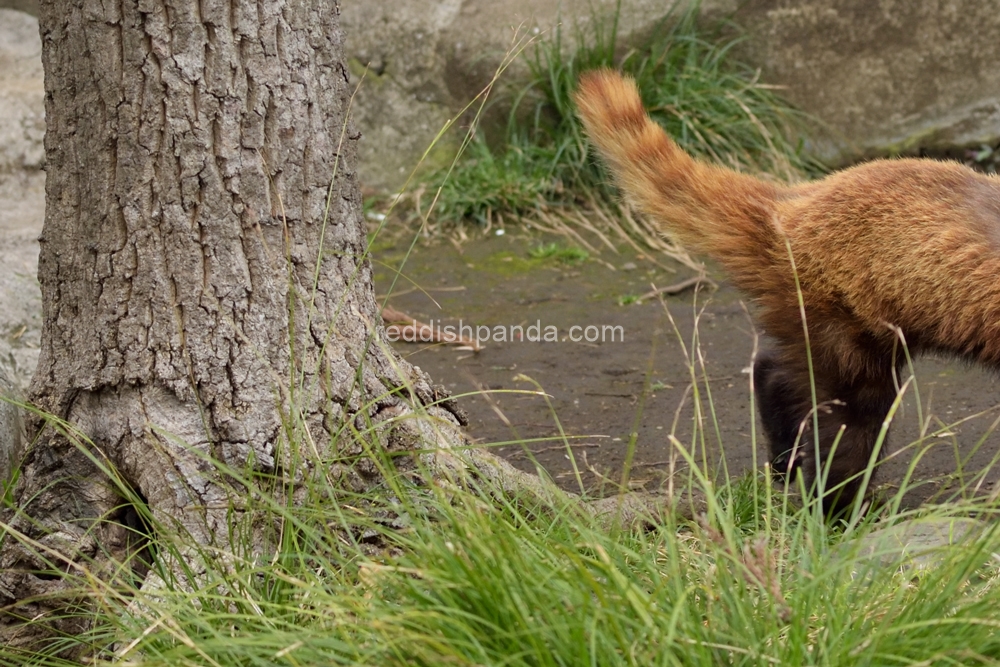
[205, 290]
[203, 283]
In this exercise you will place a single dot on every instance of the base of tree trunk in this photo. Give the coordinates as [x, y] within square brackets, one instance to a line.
[43, 562]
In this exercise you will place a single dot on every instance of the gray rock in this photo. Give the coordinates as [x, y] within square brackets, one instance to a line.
[427, 59]
[887, 76]
[22, 93]
[918, 543]
[22, 210]
[11, 429]
[22, 194]
[884, 76]
[29, 6]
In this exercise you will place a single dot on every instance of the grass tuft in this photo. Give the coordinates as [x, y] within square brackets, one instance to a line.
[468, 575]
[554, 251]
[712, 104]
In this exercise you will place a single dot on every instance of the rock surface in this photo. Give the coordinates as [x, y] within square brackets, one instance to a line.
[29, 6]
[916, 543]
[427, 59]
[885, 76]
[22, 193]
[22, 209]
[12, 437]
[21, 93]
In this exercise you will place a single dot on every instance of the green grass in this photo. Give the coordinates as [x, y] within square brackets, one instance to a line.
[712, 104]
[464, 573]
[445, 575]
[554, 251]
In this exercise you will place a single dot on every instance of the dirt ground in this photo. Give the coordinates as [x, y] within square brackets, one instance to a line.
[599, 394]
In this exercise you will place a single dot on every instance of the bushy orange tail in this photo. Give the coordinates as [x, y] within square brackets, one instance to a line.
[725, 214]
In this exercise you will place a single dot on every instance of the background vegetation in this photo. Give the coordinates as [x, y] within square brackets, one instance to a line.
[712, 104]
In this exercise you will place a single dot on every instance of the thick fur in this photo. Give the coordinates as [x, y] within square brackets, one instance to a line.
[890, 247]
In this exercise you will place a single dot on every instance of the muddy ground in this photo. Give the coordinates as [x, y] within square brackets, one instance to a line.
[600, 393]
[597, 392]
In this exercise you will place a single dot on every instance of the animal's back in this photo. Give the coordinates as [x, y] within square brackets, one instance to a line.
[911, 243]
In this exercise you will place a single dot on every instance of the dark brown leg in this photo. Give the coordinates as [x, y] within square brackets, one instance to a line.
[782, 408]
[857, 406]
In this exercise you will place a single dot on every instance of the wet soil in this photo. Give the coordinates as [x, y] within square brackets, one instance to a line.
[672, 386]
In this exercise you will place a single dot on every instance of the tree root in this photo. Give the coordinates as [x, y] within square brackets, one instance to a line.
[624, 510]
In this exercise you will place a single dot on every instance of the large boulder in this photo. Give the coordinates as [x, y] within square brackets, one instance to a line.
[22, 207]
[423, 61]
[22, 93]
[29, 6]
[22, 194]
[884, 76]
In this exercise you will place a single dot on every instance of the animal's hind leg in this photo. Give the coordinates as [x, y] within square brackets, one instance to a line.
[849, 415]
[782, 409]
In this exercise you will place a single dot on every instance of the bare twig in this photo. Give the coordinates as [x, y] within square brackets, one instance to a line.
[677, 288]
[405, 328]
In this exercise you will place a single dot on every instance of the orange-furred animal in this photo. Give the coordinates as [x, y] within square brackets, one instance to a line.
[890, 246]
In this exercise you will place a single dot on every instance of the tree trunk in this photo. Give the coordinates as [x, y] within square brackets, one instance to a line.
[206, 295]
